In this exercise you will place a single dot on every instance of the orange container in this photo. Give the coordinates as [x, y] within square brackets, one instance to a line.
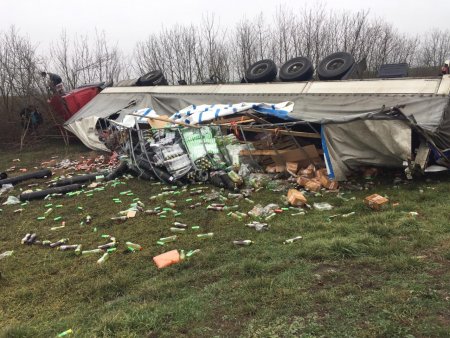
[166, 259]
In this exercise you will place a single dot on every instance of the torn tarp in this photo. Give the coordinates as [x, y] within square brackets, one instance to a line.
[365, 143]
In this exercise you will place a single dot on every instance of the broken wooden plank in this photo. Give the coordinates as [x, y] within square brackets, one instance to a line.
[261, 152]
[281, 131]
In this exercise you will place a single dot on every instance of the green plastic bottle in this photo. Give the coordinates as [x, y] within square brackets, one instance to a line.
[133, 246]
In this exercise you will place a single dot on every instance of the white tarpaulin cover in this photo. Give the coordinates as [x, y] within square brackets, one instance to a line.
[351, 139]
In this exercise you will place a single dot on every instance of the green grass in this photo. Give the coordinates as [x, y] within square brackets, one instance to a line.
[383, 274]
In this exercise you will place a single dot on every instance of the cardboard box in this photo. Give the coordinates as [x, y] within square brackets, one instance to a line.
[309, 173]
[313, 185]
[302, 180]
[292, 167]
[304, 156]
[296, 198]
[275, 168]
[321, 172]
[375, 201]
[327, 183]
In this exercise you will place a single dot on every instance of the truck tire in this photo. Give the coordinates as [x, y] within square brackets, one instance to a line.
[261, 71]
[297, 69]
[154, 78]
[335, 66]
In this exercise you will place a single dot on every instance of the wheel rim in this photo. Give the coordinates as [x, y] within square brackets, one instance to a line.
[260, 69]
[294, 68]
[335, 64]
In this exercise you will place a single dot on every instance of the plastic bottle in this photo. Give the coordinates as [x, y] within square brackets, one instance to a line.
[103, 259]
[178, 230]
[168, 239]
[292, 240]
[170, 204]
[208, 235]
[32, 238]
[65, 333]
[26, 238]
[244, 242]
[119, 218]
[235, 177]
[6, 254]
[78, 250]
[58, 243]
[180, 225]
[236, 216]
[133, 246]
[67, 247]
[107, 246]
[192, 252]
[90, 252]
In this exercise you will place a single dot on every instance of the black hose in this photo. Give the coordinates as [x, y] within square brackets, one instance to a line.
[121, 169]
[42, 193]
[18, 179]
[78, 179]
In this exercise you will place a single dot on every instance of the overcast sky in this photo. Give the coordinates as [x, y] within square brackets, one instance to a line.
[128, 21]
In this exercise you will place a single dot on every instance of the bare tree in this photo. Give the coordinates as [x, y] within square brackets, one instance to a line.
[81, 60]
[435, 48]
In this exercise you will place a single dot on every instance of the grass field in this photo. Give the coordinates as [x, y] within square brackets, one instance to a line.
[373, 274]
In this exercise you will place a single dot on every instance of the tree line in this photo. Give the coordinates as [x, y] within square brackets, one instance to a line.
[197, 52]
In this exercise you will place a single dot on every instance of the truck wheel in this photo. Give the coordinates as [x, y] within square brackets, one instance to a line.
[261, 71]
[335, 66]
[154, 78]
[297, 69]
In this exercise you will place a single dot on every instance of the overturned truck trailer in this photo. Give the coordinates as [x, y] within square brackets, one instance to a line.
[352, 123]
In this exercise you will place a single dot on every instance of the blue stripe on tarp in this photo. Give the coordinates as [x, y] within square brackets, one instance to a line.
[145, 113]
[282, 114]
[200, 117]
[216, 114]
[326, 154]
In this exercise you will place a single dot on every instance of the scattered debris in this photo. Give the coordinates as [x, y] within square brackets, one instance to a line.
[376, 202]
[324, 206]
[292, 240]
[166, 259]
[6, 254]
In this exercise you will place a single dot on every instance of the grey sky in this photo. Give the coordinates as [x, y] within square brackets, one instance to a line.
[128, 21]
